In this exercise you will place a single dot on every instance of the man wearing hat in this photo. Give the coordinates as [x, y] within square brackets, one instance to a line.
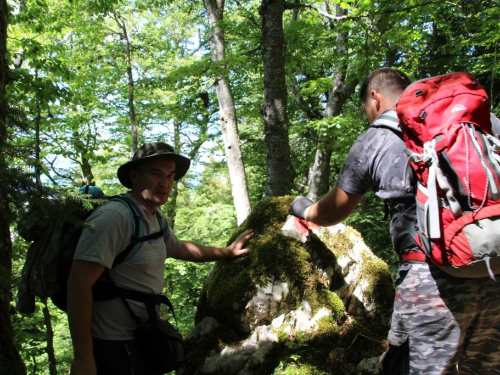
[102, 331]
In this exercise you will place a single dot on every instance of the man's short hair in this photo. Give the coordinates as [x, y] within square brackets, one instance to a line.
[388, 81]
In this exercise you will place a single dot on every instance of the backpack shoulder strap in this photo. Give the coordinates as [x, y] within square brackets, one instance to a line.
[388, 120]
[137, 230]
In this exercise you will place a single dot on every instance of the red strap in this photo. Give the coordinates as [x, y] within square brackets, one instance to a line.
[415, 256]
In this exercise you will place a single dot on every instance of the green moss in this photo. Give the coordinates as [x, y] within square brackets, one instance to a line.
[327, 326]
[334, 303]
[278, 255]
[268, 215]
[380, 284]
[339, 243]
[333, 349]
[297, 368]
[272, 254]
[329, 349]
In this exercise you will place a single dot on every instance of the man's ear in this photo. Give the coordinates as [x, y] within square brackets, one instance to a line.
[134, 175]
[376, 97]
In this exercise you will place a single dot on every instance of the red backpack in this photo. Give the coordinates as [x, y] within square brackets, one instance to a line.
[446, 127]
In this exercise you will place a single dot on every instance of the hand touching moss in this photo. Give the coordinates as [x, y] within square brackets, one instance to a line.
[236, 248]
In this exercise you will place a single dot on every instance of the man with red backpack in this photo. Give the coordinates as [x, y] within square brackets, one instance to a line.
[441, 324]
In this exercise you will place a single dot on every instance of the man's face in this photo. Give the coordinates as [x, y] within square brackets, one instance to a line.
[153, 181]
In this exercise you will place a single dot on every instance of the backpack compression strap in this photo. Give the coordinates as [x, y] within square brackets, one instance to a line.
[149, 300]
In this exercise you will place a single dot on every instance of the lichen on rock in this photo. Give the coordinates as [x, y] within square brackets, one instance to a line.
[303, 298]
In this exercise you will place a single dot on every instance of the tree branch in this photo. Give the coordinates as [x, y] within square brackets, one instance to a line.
[290, 6]
[250, 17]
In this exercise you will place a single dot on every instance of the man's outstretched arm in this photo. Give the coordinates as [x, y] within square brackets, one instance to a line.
[333, 208]
[195, 252]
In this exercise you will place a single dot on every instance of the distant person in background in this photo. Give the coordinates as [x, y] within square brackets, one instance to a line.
[439, 323]
[103, 331]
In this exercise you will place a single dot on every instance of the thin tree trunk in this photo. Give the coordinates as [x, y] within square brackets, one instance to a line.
[38, 165]
[227, 111]
[10, 360]
[319, 175]
[172, 199]
[50, 338]
[279, 166]
[82, 145]
[49, 333]
[131, 85]
[87, 175]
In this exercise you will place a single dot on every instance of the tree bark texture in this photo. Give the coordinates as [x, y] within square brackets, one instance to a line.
[10, 360]
[279, 166]
[227, 112]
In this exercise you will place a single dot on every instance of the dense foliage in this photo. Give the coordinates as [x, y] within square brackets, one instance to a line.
[91, 80]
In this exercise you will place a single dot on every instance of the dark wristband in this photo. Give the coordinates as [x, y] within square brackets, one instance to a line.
[299, 206]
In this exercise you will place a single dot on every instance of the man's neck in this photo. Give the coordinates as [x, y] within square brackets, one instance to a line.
[144, 204]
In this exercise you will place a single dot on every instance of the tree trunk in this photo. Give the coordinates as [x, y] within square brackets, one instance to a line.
[279, 166]
[227, 111]
[172, 199]
[49, 333]
[87, 175]
[50, 339]
[38, 165]
[131, 85]
[10, 360]
[319, 175]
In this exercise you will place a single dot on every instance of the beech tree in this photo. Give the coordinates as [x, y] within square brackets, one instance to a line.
[227, 111]
[274, 109]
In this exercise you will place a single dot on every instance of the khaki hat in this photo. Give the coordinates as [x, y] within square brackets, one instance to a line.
[149, 151]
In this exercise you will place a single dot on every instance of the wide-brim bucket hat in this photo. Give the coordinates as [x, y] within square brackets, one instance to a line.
[150, 151]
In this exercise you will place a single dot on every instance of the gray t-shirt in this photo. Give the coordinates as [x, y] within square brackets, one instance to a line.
[144, 272]
[377, 162]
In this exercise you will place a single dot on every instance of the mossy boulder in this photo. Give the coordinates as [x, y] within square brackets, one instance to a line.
[305, 300]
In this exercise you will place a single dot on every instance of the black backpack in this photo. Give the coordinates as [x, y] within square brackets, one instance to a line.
[48, 262]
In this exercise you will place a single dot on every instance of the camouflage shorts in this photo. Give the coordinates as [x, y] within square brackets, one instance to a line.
[442, 324]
